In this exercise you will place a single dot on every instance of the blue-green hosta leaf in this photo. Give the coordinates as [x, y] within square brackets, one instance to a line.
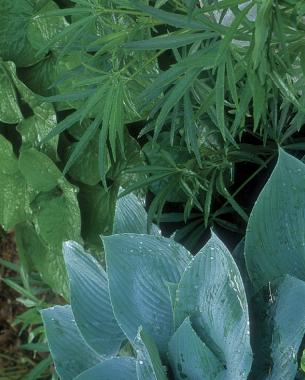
[288, 314]
[39, 170]
[131, 216]
[211, 292]
[115, 368]
[14, 195]
[9, 109]
[138, 267]
[275, 239]
[149, 366]
[90, 301]
[70, 352]
[190, 358]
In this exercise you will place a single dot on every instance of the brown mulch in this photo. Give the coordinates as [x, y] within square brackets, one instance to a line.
[12, 360]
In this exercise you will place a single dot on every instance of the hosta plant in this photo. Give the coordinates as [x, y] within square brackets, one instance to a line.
[158, 313]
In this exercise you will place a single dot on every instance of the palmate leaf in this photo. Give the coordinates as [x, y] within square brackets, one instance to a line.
[170, 41]
[70, 353]
[211, 292]
[275, 239]
[90, 301]
[137, 267]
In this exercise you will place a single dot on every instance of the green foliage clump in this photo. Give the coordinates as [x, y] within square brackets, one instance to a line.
[158, 313]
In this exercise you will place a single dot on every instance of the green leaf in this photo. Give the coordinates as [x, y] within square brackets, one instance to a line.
[173, 19]
[211, 292]
[14, 43]
[168, 41]
[149, 366]
[116, 368]
[57, 216]
[275, 242]
[131, 216]
[175, 95]
[9, 109]
[190, 358]
[14, 196]
[34, 128]
[288, 319]
[38, 170]
[97, 211]
[46, 259]
[220, 98]
[144, 263]
[69, 351]
[90, 301]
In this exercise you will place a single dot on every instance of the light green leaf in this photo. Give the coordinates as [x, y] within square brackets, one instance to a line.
[14, 44]
[14, 195]
[46, 259]
[39, 170]
[90, 301]
[149, 366]
[275, 240]
[138, 268]
[116, 368]
[57, 216]
[9, 109]
[70, 352]
[168, 41]
[190, 358]
[211, 292]
[34, 128]
[288, 319]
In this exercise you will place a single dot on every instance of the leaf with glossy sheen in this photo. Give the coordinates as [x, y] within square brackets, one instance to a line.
[211, 292]
[14, 195]
[90, 301]
[14, 44]
[190, 358]
[70, 352]
[149, 366]
[131, 216]
[46, 259]
[9, 109]
[57, 216]
[139, 267]
[39, 170]
[288, 317]
[34, 128]
[275, 239]
[111, 369]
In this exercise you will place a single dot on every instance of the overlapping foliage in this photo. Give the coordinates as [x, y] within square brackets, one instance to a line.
[184, 316]
[206, 89]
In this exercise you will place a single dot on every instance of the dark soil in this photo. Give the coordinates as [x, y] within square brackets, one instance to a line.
[14, 363]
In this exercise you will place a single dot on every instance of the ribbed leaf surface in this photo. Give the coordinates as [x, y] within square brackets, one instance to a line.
[90, 301]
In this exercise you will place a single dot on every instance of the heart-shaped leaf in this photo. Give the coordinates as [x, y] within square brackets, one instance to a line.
[139, 267]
